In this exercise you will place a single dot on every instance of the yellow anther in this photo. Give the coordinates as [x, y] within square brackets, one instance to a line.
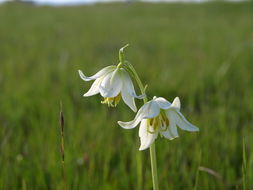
[112, 101]
[160, 122]
[149, 131]
[117, 100]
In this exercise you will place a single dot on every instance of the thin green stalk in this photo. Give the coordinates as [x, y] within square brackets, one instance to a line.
[152, 147]
[138, 80]
[154, 166]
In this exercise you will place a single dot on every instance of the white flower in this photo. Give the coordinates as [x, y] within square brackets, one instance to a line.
[112, 82]
[158, 116]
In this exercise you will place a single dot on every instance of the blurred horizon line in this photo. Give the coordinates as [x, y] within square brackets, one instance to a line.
[84, 2]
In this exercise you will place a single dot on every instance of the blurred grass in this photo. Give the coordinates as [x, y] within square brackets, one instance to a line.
[202, 53]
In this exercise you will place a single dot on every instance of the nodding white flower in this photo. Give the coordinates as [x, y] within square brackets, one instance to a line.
[112, 83]
[158, 116]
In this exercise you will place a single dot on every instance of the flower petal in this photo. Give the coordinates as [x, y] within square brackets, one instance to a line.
[139, 116]
[176, 103]
[111, 88]
[162, 103]
[172, 125]
[100, 73]
[128, 84]
[151, 109]
[167, 135]
[146, 138]
[128, 99]
[94, 89]
[182, 122]
[133, 123]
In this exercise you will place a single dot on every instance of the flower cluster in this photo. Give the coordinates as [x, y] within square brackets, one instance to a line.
[157, 116]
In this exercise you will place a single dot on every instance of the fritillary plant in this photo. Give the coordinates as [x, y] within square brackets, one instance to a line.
[156, 116]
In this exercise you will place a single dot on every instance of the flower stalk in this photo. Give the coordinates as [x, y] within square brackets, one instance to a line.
[154, 166]
[156, 116]
[152, 147]
[121, 54]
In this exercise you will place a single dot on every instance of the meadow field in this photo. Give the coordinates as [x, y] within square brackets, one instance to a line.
[202, 53]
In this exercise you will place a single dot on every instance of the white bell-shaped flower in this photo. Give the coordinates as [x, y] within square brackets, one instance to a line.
[158, 116]
[112, 83]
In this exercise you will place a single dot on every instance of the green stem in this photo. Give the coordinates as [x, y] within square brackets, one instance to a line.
[138, 80]
[154, 166]
[152, 147]
[121, 54]
[131, 69]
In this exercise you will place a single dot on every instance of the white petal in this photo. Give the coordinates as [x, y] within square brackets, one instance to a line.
[128, 99]
[114, 74]
[133, 123]
[176, 103]
[130, 124]
[167, 135]
[110, 88]
[100, 73]
[128, 84]
[172, 126]
[163, 103]
[146, 138]
[139, 116]
[94, 89]
[182, 122]
[151, 109]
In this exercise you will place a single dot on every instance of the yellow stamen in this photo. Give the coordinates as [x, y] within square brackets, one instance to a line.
[160, 122]
[112, 101]
[117, 100]
[149, 131]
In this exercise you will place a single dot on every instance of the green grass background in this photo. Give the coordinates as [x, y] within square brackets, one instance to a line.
[202, 53]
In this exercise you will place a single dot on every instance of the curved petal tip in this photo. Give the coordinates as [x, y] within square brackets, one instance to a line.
[142, 148]
[83, 76]
[127, 125]
[176, 103]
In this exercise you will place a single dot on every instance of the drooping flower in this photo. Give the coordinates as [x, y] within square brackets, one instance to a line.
[158, 116]
[112, 83]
